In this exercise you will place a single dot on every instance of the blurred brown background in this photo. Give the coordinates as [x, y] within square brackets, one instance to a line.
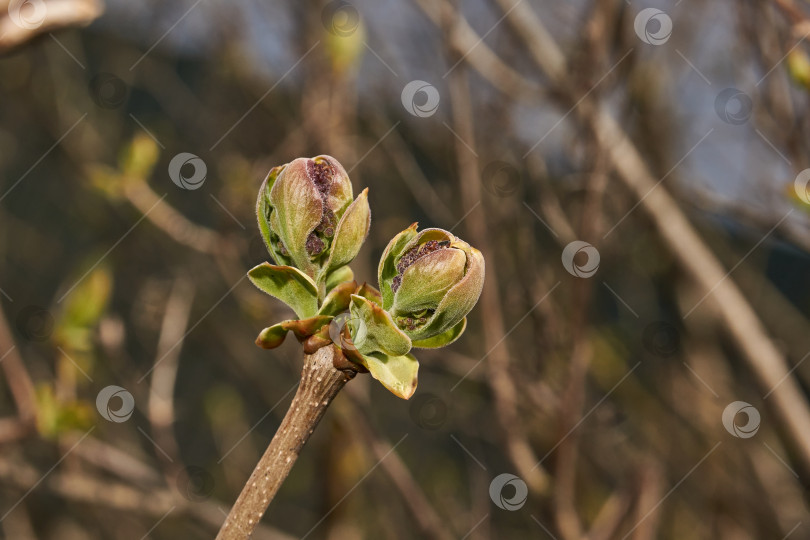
[668, 139]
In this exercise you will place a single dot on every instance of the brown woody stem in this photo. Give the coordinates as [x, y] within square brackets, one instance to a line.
[320, 382]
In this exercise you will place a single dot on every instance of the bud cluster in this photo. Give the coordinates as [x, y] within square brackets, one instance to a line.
[313, 228]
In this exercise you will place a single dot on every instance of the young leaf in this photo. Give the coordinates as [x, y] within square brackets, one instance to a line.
[338, 299]
[350, 233]
[387, 268]
[273, 336]
[297, 210]
[263, 210]
[289, 285]
[443, 339]
[336, 277]
[398, 374]
[374, 330]
[458, 301]
[370, 293]
[426, 281]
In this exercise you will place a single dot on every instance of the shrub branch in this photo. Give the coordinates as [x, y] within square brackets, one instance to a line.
[320, 382]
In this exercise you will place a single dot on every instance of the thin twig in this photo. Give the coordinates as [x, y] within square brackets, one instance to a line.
[504, 390]
[161, 397]
[320, 383]
[86, 488]
[424, 512]
[60, 15]
[169, 220]
[19, 381]
[736, 314]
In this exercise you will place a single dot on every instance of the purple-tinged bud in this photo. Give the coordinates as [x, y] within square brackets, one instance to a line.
[429, 282]
[308, 217]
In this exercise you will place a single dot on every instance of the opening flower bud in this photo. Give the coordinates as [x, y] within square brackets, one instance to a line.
[430, 281]
[308, 217]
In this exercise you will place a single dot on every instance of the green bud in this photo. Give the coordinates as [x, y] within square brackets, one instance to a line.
[429, 282]
[308, 217]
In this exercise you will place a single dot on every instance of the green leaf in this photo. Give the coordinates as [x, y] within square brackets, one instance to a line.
[263, 210]
[338, 276]
[443, 339]
[273, 336]
[139, 158]
[297, 210]
[350, 233]
[426, 281]
[74, 326]
[370, 293]
[458, 301]
[338, 299]
[388, 268]
[56, 416]
[399, 374]
[289, 285]
[88, 301]
[373, 330]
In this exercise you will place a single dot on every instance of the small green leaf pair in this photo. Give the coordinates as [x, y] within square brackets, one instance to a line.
[299, 292]
[366, 334]
[429, 281]
[380, 346]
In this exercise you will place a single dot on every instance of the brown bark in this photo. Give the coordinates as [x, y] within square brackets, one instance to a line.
[320, 383]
